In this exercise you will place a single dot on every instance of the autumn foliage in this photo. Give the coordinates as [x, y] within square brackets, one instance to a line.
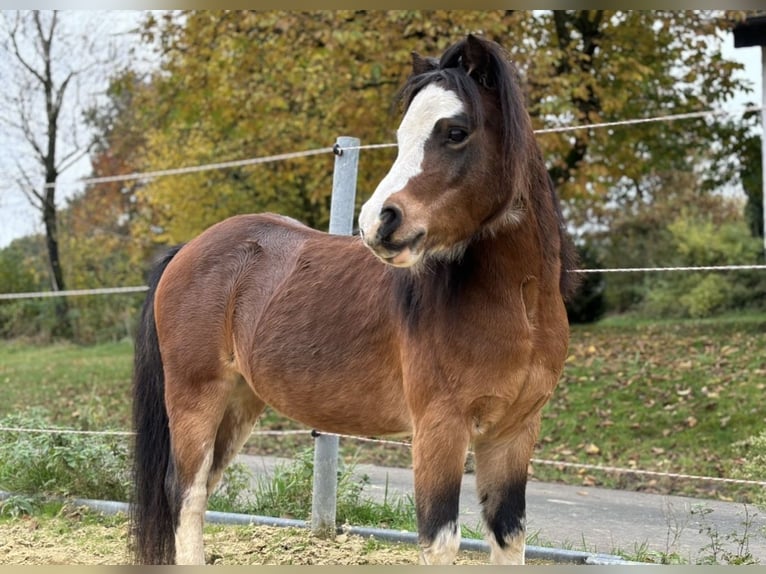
[230, 85]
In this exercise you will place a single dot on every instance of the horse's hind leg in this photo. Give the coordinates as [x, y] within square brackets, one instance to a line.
[501, 480]
[243, 410]
[438, 453]
[196, 414]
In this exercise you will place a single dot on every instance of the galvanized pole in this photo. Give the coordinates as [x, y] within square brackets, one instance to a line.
[763, 142]
[323, 506]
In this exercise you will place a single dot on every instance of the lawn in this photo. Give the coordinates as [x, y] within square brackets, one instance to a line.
[669, 396]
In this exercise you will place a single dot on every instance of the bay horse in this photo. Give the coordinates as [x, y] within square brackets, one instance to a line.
[444, 319]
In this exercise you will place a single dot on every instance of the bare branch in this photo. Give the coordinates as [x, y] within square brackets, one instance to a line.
[72, 158]
[60, 93]
[46, 41]
[28, 188]
[17, 53]
[26, 128]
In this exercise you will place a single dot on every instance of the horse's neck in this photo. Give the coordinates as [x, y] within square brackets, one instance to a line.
[491, 267]
[513, 253]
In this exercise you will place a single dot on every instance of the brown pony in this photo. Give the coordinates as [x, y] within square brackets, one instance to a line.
[446, 320]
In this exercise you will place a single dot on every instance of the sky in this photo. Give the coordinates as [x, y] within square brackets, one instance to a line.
[18, 218]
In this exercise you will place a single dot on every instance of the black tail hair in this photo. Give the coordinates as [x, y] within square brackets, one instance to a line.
[152, 518]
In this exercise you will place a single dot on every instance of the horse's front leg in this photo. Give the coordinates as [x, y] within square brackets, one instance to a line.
[501, 481]
[439, 448]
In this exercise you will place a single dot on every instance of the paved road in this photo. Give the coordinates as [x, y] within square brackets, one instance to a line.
[596, 519]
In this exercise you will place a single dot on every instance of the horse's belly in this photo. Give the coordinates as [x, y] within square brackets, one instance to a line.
[341, 377]
[339, 402]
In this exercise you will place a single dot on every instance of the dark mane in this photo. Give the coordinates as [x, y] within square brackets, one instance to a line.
[440, 285]
[524, 164]
[570, 280]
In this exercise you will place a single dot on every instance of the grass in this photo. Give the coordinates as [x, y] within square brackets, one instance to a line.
[669, 396]
[659, 395]
[288, 494]
[61, 464]
[86, 387]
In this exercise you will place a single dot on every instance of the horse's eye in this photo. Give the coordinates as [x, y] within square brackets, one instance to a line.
[457, 135]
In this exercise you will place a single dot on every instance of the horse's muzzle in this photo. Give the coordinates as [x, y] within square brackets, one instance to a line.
[405, 253]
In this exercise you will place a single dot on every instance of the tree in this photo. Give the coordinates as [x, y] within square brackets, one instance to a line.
[47, 66]
[243, 84]
[751, 171]
[118, 147]
[604, 66]
[248, 84]
[22, 269]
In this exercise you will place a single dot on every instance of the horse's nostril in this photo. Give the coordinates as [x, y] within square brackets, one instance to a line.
[390, 220]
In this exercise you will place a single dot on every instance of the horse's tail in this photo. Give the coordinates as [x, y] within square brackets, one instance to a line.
[151, 515]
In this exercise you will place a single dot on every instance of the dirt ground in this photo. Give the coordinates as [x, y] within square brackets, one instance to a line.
[77, 536]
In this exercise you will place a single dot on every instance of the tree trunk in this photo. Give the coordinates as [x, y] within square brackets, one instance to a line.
[63, 325]
[587, 23]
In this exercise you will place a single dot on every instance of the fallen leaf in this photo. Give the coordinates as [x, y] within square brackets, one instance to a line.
[592, 449]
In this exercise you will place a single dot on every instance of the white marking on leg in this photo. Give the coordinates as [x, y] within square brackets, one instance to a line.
[444, 547]
[189, 544]
[431, 104]
[512, 553]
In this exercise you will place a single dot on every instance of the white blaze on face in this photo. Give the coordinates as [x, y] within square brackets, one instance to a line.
[430, 105]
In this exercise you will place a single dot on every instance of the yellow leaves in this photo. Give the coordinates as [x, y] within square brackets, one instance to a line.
[589, 480]
[591, 449]
[241, 84]
[235, 84]
[589, 353]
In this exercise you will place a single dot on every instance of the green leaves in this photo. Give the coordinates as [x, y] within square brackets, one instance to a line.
[61, 464]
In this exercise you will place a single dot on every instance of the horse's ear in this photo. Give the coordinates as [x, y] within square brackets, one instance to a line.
[421, 65]
[477, 62]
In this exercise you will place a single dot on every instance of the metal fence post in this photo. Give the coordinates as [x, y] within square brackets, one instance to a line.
[324, 495]
[763, 142]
